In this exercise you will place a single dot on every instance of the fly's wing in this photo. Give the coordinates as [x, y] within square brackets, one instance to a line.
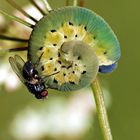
[17, 64]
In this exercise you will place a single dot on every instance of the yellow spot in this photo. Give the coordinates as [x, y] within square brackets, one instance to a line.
[49, 53]
[100, 54]
[88, 39]
[67, 30]
[60, 78]
[99, 50]
[48, 69]
[77, 69]
[80, 31]
[73, 78]
[54, 38]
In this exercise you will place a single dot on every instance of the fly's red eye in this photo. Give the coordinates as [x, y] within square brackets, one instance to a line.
[44, 93]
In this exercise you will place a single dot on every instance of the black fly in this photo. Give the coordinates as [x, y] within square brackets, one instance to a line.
[29, 76]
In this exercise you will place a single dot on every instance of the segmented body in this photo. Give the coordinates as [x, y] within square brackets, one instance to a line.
[62, 27]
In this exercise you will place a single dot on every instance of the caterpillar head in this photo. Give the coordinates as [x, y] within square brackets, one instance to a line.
[75, 43]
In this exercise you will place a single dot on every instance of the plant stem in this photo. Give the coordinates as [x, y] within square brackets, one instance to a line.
[98, 95]
[75, 2]
[101, 110]
[47, 5]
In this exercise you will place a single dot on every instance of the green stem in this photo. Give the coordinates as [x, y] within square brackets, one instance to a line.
[47, 5]
[75, 2]
[101, 110]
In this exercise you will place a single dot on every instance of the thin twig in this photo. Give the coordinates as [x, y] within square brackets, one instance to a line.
[3, 37]
[17, 19]
[18, 49]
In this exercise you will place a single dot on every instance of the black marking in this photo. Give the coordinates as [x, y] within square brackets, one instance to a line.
[64, 74]
[76, 35]
[42, 68]
[59, 54]
[63, 66]
[94, 37]
[85, 28]
[73, 72]
[72, 83]
[70, 23]
[65, 36]
[69, 66]
[51, 58]
[55, 69]
[40, 48]
[18, 49]
[84, 72]
[79, 57]
[105, 52]
[54, 44]
[59, 62]
[55, 81]
[53, 31]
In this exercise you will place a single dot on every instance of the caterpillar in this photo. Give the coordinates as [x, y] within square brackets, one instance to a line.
[75, 41]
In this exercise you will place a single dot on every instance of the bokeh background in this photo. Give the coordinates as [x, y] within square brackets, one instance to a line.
[19, 111]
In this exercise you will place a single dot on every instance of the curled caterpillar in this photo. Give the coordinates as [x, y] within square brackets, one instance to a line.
[76, 42]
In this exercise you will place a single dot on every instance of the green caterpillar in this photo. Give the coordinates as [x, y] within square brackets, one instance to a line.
[88, 41]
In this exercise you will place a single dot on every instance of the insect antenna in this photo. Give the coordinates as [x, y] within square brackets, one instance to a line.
[15, 5]
[53, 74]
[17, 19]
[38, 7]
[37, 62]
[46, 76]
[3, 37]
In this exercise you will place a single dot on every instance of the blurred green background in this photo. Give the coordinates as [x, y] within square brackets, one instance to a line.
[124, 113]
